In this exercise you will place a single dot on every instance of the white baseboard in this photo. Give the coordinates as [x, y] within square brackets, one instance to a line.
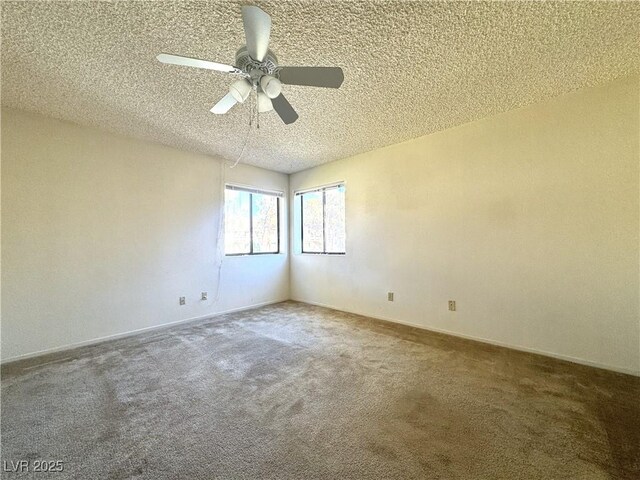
[545, 353]
[130, 333]
[559, 356]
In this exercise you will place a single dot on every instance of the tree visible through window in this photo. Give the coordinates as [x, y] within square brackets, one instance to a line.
[251, 222]
[322, 214]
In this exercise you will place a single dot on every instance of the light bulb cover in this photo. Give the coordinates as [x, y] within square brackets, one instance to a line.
[240, 90]
[271, 86]
[264, 103]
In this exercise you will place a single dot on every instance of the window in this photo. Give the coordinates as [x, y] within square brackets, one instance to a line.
[322, 216]
[251, 221]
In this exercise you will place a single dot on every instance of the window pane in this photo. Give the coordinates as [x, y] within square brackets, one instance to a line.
[237, 235]
[312, 240]
[334, 220]
[265, 223]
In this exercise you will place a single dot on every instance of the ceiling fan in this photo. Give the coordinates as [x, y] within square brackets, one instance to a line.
[259, 69]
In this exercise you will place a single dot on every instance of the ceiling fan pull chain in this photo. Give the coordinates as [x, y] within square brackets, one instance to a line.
[257, 112]
[250, 114]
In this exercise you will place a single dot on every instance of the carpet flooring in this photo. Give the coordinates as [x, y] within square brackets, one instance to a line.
[293, 391]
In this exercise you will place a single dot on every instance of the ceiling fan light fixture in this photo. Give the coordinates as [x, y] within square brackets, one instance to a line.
[271, 86]
[240, 90]
[259, 68]
[264, 103]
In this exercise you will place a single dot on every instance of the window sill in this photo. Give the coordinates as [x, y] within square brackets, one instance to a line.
[252, 254]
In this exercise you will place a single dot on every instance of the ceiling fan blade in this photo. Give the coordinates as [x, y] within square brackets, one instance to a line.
[329, 77]
[224, 105]
[257, 28]
[284, 109]
[197, 63]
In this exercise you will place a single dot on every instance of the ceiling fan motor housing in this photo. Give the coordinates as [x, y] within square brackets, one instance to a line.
[268, 66]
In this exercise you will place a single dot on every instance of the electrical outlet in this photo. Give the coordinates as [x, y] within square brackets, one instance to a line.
[203, 296]
[183, 301]
[390, 296]
[452, 305]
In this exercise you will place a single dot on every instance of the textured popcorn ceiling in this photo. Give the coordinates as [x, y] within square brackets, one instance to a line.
[411, 68]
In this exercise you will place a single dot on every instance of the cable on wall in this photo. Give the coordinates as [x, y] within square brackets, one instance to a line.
[246, 139]
[220, 240]
[223, 181]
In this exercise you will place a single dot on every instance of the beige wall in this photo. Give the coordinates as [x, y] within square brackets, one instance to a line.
[102, 234]
[529, 220]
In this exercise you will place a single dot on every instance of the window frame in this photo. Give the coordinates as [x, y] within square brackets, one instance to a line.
[251, 191]
[322, 189]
